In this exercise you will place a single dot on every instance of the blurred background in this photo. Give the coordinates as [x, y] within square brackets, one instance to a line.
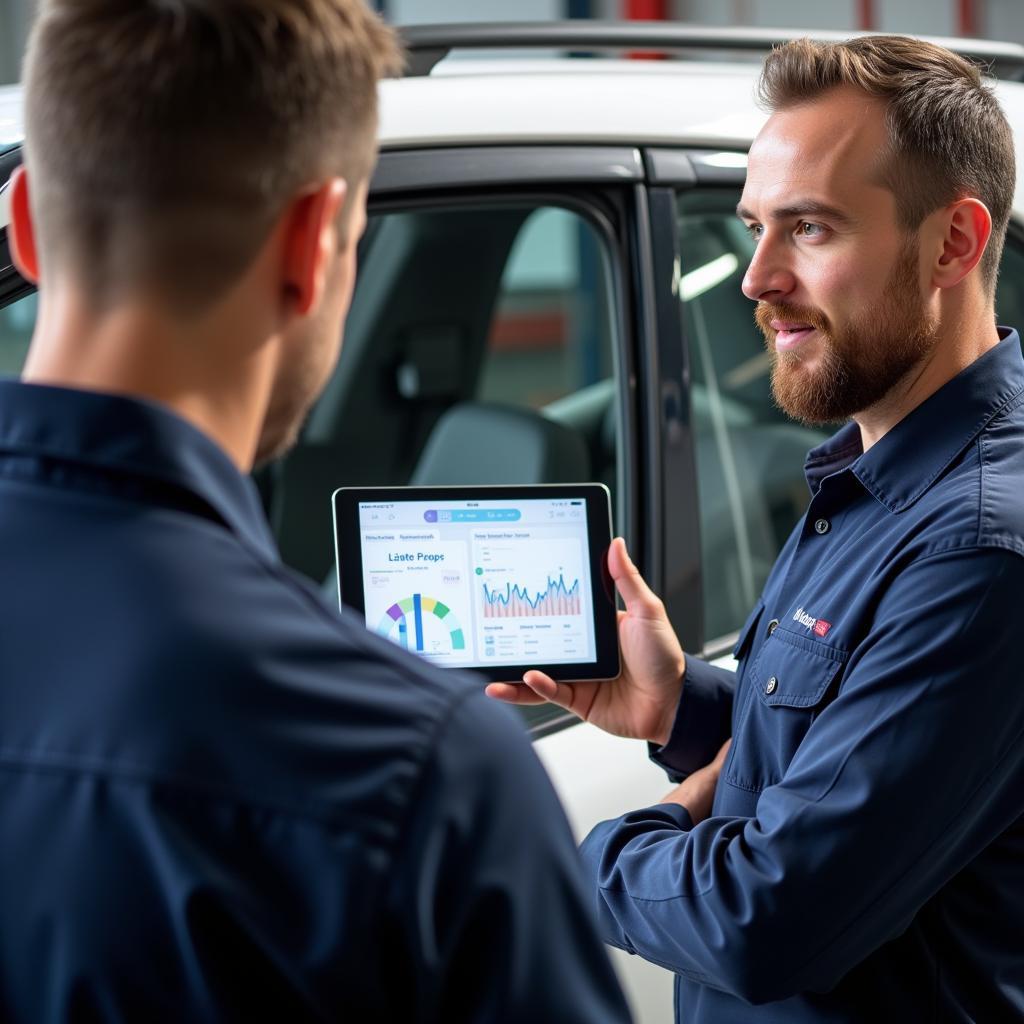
[987, 19]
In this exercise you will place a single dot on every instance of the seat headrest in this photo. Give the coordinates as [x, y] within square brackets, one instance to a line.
[478, 443]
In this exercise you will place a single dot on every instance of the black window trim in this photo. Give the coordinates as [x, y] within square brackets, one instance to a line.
[673, 511]
[403, 170]
[686, 167]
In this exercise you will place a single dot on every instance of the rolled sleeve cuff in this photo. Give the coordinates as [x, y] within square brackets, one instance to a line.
[703, 720]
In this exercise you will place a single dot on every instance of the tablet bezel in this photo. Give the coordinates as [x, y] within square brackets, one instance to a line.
[349, 561]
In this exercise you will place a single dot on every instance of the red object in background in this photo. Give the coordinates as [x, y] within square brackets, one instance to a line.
[646, 10]
[525, 331]
[866, 15]
[968, 20]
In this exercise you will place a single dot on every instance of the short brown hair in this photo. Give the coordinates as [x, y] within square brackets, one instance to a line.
[164, 137]
[948, 136]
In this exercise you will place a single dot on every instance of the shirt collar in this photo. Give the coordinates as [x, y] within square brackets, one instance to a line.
[134, 436]
[903, 464]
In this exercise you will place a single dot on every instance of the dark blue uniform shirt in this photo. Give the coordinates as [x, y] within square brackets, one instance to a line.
[864, 860]
[221, 802]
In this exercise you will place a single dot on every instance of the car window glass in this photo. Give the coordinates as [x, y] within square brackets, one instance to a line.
[17, 322]
[478, 349]
[550, 336]
[750, 456]
[1010, 286]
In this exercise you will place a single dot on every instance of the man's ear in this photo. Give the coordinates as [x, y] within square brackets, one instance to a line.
[22, 232]
[311, 244]
[967, 229]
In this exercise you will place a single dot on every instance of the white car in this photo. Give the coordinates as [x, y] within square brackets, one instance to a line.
[558, 235]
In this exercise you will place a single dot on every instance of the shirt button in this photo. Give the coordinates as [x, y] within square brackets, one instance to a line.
[772, 626]
[822, 526]
[771, 686]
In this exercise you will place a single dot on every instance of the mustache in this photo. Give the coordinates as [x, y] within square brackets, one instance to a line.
[766, 312]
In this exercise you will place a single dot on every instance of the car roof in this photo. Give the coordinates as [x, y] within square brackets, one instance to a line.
[632, 102]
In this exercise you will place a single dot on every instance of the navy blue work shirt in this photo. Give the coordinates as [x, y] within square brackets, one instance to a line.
[864, 860]
[221, 802]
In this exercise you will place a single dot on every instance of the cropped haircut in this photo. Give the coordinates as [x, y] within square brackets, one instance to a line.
[948, 137]
[165, 137]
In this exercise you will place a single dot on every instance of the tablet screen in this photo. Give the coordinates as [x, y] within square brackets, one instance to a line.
[477, 581]
[466, 582]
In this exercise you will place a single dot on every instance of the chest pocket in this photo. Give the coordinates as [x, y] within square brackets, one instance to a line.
[785, 688]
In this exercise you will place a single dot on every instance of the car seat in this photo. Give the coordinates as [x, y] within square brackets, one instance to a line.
[486, 443]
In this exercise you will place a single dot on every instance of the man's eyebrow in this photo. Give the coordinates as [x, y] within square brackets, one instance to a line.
[807, 208]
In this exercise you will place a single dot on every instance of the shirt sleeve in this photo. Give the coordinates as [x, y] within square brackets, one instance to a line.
[703, 720]
[915, 767]
[497, 924]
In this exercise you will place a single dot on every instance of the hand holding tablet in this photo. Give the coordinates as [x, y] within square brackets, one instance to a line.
[499, 579]
[642, 701]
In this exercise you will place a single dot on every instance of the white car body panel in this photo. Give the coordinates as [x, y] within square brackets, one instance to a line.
[11, 132]
[656, 106]
[11, 127]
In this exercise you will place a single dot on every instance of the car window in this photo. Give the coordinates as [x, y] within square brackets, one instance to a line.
[1010, 286]
[550, 336]
[479, 349]
[16, 324]
[460, 314]
[749, 455]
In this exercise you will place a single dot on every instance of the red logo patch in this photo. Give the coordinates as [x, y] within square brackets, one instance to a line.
[821, 627]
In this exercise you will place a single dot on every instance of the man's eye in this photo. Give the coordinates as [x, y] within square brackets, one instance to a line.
[808, 229]
[755, 231]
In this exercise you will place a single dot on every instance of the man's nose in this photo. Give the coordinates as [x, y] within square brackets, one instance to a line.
[768, 278]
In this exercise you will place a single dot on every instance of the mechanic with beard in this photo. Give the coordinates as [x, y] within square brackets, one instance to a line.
[857, 853]
[218, 800]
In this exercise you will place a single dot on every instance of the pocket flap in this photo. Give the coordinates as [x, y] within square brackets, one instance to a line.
[795, 671]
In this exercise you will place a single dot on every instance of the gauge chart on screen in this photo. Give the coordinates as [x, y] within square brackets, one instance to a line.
[417, 593]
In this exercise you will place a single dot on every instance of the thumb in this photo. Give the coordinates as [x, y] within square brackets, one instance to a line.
[639, 598]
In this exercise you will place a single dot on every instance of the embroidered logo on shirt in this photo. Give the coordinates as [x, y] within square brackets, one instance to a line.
[819, 626]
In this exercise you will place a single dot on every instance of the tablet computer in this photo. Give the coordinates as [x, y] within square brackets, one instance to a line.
[499, 578]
